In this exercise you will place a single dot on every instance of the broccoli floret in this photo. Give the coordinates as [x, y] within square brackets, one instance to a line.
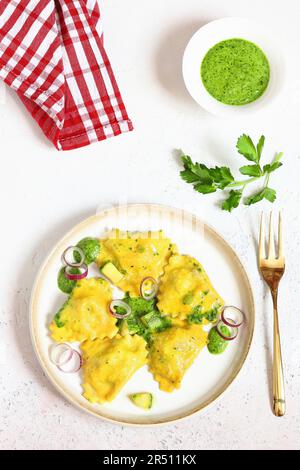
[144, 319]
[140, 306]
[91, 249]
[155, 322]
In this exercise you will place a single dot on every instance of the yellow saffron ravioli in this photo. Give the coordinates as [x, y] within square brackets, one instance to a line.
[136, 255]
[85, 315]
[185, 285]
[172, 352]
[108, 365]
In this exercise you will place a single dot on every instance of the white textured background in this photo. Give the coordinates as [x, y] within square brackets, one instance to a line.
[43, 193]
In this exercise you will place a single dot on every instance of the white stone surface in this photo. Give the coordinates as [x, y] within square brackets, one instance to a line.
[44, 193]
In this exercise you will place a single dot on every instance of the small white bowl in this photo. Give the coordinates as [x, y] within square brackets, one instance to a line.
[220, 30]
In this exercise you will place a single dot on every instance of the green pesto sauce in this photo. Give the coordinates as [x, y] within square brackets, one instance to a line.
[235, 72]
[217, 344]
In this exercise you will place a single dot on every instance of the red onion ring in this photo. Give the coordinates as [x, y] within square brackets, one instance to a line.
[234, 331]
[228, 321]
[57, 353]
[73, 365]
[70, 251]
[153, 291]
[76, 277]
[119, 303]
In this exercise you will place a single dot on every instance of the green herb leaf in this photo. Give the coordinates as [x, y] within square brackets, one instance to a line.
[265, 193]
[189, 176]
[247, 148]
[272, 167]
[207, 180]
[251, 170]
[222, 176]
[248, 201]
[270, 194]
[186, 160]
[232, 201]
[203, 173]
[198, 169]
[204, 188]
[260, 146]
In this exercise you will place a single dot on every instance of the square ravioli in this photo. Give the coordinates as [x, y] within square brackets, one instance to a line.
[172, 352]
[184, 287]
[85, 314]
[136, 255]
[109, 364]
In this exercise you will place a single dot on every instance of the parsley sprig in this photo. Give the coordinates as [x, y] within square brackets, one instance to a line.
[209, 180]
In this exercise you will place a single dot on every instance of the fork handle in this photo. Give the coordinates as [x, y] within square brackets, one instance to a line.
[279, 405]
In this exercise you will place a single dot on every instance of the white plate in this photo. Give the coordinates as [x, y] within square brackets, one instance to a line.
[210, 375]
[227, 28]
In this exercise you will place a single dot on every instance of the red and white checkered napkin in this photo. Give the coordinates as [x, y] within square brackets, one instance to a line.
[52, 54]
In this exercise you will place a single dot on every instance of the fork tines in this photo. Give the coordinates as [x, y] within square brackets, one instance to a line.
[273, 253]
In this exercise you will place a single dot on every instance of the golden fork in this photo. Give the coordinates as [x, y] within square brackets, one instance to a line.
[272, 268]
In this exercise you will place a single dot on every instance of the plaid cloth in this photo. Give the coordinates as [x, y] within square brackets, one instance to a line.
[52, 54]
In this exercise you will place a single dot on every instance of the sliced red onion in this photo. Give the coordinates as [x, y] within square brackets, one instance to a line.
[148, 294]
[60, 354]
[76, 276]
[232, 316]
[119, 303]
[67, 257]
[233, 331]
[73, 364]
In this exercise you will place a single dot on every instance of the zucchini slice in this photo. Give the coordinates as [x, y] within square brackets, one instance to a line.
[111, 272]
[143, 400]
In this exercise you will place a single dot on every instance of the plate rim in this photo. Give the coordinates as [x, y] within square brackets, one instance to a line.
[32, 314]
